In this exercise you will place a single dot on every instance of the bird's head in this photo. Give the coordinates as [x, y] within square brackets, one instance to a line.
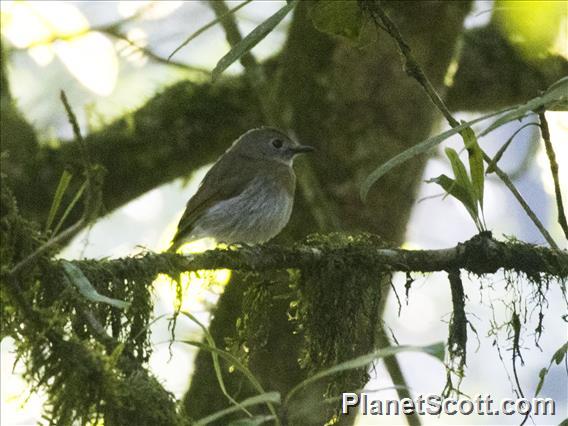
[267, 143]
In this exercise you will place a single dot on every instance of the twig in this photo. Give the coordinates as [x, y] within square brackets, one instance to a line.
[414, 70]
[505, 179]
[411, 66]
[554, 170]
[151, 54]
[113, 30]
[64, 236]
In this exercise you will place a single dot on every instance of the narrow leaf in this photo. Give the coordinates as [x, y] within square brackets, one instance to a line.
[272, 397]
[460, 172]
[458, 192]
[491, 166]
[69, 208]
[541, 376]
[216, 364]
[237, 364]
[418, 149]
[475, 156]
[59, 192]
[251, 40]
[365, 360]
[556, 95]
[207, 26]
[560, 354]
[79, 280]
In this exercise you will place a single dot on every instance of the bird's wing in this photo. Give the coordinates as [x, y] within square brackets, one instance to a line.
[222, 182]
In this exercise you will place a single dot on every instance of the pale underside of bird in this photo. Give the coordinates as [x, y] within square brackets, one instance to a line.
[248, 194]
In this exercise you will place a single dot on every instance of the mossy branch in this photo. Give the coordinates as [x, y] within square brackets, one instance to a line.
[479, 255]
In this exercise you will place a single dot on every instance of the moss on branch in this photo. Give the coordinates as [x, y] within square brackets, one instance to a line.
[479, 255]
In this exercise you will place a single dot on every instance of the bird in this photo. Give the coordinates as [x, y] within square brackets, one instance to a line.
[248, 194]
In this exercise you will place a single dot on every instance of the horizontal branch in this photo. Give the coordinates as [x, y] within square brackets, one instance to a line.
[480, 255]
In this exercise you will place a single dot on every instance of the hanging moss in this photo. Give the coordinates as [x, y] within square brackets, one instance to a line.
[85, 378]
[338, 308]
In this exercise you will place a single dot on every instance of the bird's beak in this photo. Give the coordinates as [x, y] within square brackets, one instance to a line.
[301, 149]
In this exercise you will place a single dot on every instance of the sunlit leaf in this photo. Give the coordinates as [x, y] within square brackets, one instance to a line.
[554, 97]
[531, 27]
[271, 397]
[31, 23]
[251, 40]
[338, 17]
[79, 280]
[460, 172]
[418, 149]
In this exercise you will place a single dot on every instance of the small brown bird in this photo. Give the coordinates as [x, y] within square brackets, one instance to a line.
[248, 194]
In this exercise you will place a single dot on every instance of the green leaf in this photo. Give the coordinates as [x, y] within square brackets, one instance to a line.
[64, 181]
[560, 354]
[554, 97]
[343, 18]
[460, 172]
[233, 360]
[497, 157]
[476, 170]
[207, 26]
[418, 149]
[251, 40]
[557, 358]
[69, 208]
[79, 280]
[268, 397]
[541, 375]
[362, 361]
[216, 365]
[458, 192]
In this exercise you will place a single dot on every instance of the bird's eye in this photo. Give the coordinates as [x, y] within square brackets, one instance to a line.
[277, 143]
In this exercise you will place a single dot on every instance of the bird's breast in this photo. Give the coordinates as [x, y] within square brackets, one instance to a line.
[255, 215]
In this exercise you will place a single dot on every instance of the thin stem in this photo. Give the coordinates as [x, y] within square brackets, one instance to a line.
[505, 179]
[554, 170]
[64, 236]
[411, 66]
